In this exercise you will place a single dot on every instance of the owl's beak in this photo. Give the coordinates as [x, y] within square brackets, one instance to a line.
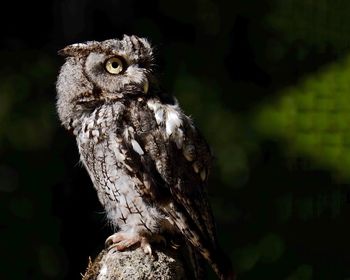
[145, 86]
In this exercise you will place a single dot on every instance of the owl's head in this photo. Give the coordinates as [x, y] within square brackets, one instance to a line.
[96, 72]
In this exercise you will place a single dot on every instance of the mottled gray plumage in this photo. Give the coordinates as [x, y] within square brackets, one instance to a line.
[147, 161]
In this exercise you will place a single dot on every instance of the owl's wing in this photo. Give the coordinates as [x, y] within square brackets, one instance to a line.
[185, 167]
[172, 161]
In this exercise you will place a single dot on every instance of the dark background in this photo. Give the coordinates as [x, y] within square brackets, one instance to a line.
[267, 82]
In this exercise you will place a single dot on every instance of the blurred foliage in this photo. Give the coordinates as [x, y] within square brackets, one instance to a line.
[308, 26]
[28, 122]
[318, 23]
[303, 272]
[314, 118]
[21, 111]
[265, 81]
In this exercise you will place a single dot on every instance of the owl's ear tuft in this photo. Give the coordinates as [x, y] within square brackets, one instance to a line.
[76, 49]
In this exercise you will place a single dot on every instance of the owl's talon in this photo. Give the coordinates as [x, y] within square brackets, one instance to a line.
[121, 241]
[112, 240]
[109, 243]
[146, 247]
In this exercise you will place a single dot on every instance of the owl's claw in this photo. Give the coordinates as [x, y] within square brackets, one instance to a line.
[146, 247]
[122, 241]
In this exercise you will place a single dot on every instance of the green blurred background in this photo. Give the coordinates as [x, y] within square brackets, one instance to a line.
[267, 82]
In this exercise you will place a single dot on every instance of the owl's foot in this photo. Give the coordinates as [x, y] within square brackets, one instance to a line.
[122, 241]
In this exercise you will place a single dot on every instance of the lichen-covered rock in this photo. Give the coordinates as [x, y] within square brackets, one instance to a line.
[134, 264]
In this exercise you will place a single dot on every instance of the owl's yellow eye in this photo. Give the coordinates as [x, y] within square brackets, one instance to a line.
[114, 65]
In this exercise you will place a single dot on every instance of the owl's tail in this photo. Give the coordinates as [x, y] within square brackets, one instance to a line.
[198, 263]
[221, 264]
[218, 260]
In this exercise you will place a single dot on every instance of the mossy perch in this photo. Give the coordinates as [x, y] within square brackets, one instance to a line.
[134, 264]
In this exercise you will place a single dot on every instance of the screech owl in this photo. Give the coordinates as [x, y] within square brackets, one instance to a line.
[146, 159]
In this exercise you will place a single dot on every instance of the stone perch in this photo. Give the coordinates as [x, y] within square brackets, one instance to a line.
[134, 264]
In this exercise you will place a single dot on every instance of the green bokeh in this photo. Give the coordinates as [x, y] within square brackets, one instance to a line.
[313, 118]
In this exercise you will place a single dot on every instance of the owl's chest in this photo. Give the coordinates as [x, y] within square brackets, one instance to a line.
[104, 143]
[116, 188]
[105, 161]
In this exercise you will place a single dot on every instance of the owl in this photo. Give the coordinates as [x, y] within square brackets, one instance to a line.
[148, 162]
